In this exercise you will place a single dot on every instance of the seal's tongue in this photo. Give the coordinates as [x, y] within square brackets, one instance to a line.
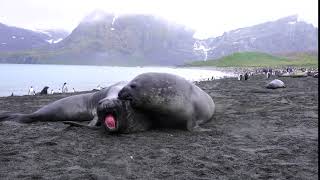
[110, 121]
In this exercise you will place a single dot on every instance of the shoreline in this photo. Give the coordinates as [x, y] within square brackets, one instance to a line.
[88, 79]
[18, 79]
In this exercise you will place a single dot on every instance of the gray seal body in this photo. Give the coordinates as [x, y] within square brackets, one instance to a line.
[82, 107]
[170, 101]
[275, 84]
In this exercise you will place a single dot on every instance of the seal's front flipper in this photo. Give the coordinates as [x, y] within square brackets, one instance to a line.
[76, 124]
[94, 121]
[200, 129]
[92, 125]
[193, 126]
[72, 123]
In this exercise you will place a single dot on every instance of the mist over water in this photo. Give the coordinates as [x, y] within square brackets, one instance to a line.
[17, 78]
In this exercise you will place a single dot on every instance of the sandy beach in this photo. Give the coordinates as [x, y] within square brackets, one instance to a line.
[257, 133]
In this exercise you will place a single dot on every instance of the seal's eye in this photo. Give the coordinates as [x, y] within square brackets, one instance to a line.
[133, 85]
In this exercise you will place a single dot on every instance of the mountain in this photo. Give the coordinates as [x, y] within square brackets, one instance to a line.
[284, 35]
[19, 39]
[130, 40]
[15, 39]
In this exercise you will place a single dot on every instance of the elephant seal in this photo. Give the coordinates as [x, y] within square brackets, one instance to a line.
[117, 116]
[275, 84]
[170, 101]
[82, 107]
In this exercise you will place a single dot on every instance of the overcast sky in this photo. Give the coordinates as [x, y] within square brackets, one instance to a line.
[207, 17]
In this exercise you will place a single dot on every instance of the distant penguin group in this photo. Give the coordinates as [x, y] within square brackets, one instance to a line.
[243, 77]
[45, 91]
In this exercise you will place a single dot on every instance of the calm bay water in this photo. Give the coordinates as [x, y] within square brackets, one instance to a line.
[17, 78]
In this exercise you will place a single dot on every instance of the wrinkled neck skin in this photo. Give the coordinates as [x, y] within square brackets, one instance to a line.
[135, 121]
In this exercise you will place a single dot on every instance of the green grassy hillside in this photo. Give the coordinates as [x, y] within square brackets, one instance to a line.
[257, 59]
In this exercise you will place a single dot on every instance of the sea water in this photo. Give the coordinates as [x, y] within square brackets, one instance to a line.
[17, 78]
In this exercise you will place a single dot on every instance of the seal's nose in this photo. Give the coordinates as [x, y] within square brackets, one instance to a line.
[101, 105]
[107, 104]
[123, 94]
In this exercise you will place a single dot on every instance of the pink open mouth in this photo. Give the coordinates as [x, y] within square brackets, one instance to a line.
[110, 121]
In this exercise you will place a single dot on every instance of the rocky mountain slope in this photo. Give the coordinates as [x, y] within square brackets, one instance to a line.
[131, 39]
[284, 35]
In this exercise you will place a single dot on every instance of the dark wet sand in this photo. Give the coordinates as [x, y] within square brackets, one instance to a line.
[257, 133]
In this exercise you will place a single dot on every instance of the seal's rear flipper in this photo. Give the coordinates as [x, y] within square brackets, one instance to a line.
[22, 118]
[4, 116]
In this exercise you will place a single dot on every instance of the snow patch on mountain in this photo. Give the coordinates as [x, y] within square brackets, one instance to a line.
[58, 40]
[202, 47]
[52, 41]
[113, 21]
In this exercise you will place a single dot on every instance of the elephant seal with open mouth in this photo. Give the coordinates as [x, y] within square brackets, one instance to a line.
[77, 108]
[101, 107]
